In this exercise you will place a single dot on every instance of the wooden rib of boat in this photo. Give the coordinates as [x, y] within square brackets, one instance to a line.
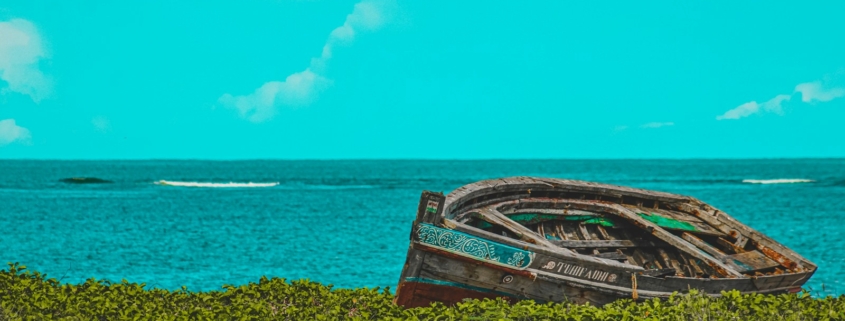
[564, 240]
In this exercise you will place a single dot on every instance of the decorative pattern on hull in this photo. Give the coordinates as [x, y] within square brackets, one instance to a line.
[473, 246]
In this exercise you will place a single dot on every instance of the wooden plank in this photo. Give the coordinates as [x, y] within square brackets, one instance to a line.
[653, 262]
[585, 235]
[612, 256]
[743, 233]
[667, 262]
[582, 244]
[569, 230]
[677, 265]
[753, 261]
[703, 245]
[520, 209]
[494, 217]
[704, 228]
[688, 270]
[671, 214]
[603, 233]
[430, 208]
[539, 289]
[639, 258]
[553, 251]
[594, 233]
[696, 270]
[559, 229]
[731, 246]
[671, 223]
[741, 240]
[736, 264]
[550, 231]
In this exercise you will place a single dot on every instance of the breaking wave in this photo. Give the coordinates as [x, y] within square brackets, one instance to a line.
[778, 181]
[215, 185]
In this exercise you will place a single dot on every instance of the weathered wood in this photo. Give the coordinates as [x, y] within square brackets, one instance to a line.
[640, 259]
[585, 235]
[583, 244]
[727, 244]
[412, 268]
[753, 261]
[570, 232]
[551, 211]
[612, 256]
[703, 245]
[659, 272]
[740, 241]
[555, 252]
[650, 244]
[559, 230]
[603, 233]
[665, 260]
[763, 243]
[430, 208]
[494, 217]
[545, 286]
[615, 209]
[695, 269]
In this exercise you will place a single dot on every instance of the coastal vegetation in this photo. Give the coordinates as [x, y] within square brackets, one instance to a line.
[28, 295]
[84, 180]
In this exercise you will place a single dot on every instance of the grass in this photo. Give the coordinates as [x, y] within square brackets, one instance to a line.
[27, 295]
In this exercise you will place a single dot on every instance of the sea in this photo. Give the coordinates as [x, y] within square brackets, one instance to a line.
[204, 224]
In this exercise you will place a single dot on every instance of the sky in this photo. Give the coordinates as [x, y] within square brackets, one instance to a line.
[395, 79]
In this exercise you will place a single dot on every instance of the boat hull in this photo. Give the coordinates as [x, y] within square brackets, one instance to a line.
[450, 279]
[450, 259]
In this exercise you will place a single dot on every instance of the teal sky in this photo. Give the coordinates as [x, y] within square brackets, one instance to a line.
[421, 79]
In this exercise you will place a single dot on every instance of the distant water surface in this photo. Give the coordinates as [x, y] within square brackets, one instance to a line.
[204, 224]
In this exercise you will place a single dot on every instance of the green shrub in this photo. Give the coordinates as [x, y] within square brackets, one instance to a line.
[26, 295]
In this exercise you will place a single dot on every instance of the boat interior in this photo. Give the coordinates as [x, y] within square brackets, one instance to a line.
[589, 224]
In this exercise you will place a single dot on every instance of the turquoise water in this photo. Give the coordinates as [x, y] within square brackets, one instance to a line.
[346, 222]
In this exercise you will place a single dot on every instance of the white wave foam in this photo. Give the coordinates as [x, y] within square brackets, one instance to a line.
[778, 181]
[216, 185]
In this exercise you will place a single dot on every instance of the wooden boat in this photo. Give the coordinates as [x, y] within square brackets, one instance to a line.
[557, 240]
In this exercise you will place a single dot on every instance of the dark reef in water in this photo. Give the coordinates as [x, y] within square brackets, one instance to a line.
[84, 180]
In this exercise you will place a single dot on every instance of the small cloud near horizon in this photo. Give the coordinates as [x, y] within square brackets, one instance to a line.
[650, 125]
[21, 50]
[657, 125]
[302, 88]
[10, 132]
[811, 92]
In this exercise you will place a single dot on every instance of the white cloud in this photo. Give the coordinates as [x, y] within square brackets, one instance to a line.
[811, 91]
[302, 88]
[821, 91]
[744, 110]
[11, 132]
[773, 105]
[657, 125]
[21, 50]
